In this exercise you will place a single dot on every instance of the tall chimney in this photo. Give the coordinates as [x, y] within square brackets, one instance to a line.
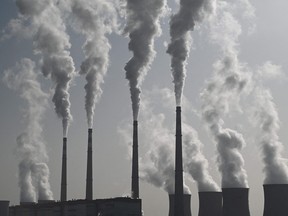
[276, 200]
[178, 202]
[186, 203]
[210, 204]
[135, 168]
[63, 195]
[4, 208]
[89, 176]
[235, 202]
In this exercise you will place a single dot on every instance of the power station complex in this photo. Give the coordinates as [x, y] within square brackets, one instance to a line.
[229, 202]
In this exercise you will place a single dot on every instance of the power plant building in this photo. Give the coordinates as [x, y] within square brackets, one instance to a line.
[121, 206]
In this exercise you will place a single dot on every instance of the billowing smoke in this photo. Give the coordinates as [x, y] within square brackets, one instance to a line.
[195, 164]
[229, 81]
[275, 166]
[93, 19]
[266, 116]
[52, 43]
[142, 26]
[33, 170]
[190, 12]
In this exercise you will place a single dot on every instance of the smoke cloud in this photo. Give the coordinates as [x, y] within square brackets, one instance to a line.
[30, 146]
[52, 43]
[93, 19]
[229, 81]
[142, 26]
[195, 163]
[190, 12]
[266, 116]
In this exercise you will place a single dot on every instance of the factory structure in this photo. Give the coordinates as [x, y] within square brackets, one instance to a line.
[229, 202]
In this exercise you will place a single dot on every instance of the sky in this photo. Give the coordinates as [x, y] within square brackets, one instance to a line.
[261, 48]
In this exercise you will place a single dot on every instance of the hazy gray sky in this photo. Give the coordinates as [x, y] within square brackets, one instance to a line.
[263, 39]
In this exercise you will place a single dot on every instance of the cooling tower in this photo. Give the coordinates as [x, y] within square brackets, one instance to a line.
[63, 194]
[179, 200]
[186, 202]
[4, 208]
[210, 203]
[135, 174]
[276, 200]
[89, 176]
[235, 202]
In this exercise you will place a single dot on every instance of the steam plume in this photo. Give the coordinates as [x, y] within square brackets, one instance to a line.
[142, 26]
[229, 81]
[194, 161]
[275, 167]
[93, 19]
[30, 146]
[52, 43]
[190, 12]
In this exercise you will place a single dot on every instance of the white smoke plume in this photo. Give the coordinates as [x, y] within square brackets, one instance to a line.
[266, 118]
[229, 81]
[275, 166]
[52, 43]
[142, 26]
[30, 146]
[195, 164]
[190, 12]
[93, 19]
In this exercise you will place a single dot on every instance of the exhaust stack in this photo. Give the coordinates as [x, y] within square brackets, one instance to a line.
[210, 203]
[63, 195]
[235, 202]
[4, 208]
[179, 200]
[89, 176]
[276, 199]
[135, 165]
[186, 202]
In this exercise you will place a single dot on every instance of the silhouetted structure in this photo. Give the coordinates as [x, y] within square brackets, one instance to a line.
[135, 166]
[63, 194]
[210, 203]
[89, 176]
[4, 208]
[179, 200]
[276, 200]
[186, 202]
[235, 201]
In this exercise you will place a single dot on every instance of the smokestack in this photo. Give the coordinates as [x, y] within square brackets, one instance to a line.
[135, 174]
[210, 203]
[89, 177]
[186, 203]
[4, 208]
[63, 195]
[276, 199]
[235, 202]
[178, 202]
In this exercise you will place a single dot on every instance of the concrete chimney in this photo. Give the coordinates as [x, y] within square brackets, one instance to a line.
[63, 195]
[276, 200]
[89, 176]
[186, 203]
[135, 165]
[210, 203]
[4, 208]
[179, 200]
[235, 202]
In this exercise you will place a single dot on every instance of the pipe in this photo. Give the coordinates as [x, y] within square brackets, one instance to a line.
[210, 203]
[89, 176]
[135, 165]
[179, 200]
[63, 194]
[275, 199]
